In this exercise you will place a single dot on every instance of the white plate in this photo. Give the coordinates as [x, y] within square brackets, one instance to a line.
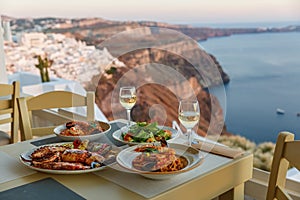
[117, 135]
[27, 154]
[193, 156]
[91, 137]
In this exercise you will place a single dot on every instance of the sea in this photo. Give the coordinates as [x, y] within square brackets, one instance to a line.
[264, 72]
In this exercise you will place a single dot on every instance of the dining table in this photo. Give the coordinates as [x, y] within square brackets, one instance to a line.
[217, 176]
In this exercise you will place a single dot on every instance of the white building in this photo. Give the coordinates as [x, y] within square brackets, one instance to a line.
[72, 59]
[7, 31]
[33, 39]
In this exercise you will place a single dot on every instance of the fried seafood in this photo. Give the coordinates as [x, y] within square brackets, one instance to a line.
[66, 158]
[82, 156]
[95, 157]
[100, 148]
[60, 165]
[46, 151]
[75, 155]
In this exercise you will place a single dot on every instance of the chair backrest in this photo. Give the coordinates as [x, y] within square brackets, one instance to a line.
[286, 154]
[9, 109]
[49, 100]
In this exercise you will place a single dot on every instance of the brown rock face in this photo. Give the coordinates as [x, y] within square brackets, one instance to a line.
[180, 64]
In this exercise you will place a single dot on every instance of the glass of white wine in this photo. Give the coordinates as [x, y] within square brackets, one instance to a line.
[127, 99]
[188, 115]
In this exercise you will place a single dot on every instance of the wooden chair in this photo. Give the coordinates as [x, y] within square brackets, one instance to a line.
[49, 100]
[286, 153]
[9, 111]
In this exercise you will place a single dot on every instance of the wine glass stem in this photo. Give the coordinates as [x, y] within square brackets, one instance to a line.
[190, 136]
[128, 117]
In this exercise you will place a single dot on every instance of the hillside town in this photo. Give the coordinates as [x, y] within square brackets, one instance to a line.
[72, 59]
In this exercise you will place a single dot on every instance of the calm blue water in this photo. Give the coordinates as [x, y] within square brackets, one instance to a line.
[246, 25]
[265, 75]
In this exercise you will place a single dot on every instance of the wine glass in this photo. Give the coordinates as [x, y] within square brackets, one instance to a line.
[127, 98]
[188, 115]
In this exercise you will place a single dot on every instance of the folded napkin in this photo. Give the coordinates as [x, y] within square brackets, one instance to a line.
[218, 149]
[12, 169]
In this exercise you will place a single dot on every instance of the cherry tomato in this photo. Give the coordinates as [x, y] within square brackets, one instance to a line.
[76, 143]
[128, 137]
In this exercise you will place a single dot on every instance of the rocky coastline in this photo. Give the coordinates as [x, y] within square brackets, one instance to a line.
[96, 30]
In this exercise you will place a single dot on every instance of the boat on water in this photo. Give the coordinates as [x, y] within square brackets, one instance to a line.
[280, 111]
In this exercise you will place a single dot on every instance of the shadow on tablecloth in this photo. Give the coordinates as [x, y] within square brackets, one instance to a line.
[46, 189]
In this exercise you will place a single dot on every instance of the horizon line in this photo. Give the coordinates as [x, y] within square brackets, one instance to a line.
[153, 20]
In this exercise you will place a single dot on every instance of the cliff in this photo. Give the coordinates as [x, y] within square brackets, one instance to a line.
[154, 102]
[180, 64]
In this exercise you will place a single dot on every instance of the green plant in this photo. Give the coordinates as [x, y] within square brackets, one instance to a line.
[262, 153]
[111, 70]
[43, 65]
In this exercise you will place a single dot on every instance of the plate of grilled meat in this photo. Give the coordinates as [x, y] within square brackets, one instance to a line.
[70, 157]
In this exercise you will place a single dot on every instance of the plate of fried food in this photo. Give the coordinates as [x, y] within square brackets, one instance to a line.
[158, 162]
[143, 133]
[70, 157]
[82, 130]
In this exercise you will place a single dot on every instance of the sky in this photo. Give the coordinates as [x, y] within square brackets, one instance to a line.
[173, 11]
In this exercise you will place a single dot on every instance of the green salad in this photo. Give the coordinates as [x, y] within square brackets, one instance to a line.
[144, 132]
